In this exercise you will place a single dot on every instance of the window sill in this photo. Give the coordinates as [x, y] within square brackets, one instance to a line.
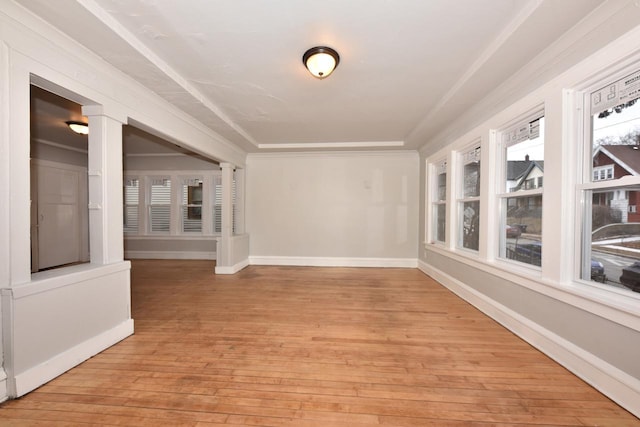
[194, 236]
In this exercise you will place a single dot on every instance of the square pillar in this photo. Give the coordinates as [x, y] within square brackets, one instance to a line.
[106, 243]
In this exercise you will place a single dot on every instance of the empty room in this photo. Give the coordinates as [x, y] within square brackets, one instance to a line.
[320, 214]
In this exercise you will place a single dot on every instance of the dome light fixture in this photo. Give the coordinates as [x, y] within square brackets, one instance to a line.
[321, 61]
[78, 127]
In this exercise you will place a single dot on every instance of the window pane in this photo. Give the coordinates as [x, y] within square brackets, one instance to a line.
[612, 247]
[191, 205]
[470, 224]
[615, 238]
[615, 120]
[472, 179]
[442, 186]
[525, 156]
[217, 204]
[160, 208]
[523, 240]
[130, 194]
[440, 221]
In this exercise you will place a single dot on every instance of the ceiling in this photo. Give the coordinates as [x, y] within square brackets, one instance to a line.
[407, 67]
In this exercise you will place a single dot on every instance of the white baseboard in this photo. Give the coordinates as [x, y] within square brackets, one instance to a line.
[38, 375]
[334, 261]
[233, 269]
[619, 386]
[169, 255]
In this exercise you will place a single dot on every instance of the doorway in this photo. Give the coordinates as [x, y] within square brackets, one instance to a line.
[59, 188]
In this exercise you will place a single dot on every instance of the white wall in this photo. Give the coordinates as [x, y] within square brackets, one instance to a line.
[333, 208]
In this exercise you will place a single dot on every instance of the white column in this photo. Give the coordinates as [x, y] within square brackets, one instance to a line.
[240, 197]
[227, 199]
[15, 266]
[105, 184]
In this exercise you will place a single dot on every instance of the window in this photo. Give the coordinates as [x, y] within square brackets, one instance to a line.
[601, 173]
[611, 191]
[217, 204]
[131, 195]
[439, 204]
[160, 205]
[469, 200]
[521, 200]
[191, 205]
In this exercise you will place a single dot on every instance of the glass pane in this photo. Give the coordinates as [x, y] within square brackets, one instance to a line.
[442, 186]
[130, 194]
[470, 225]
[525, 157]
[615, 238]
[616, 141]
[131, 218]
[160, 217]
[161, 191]
[471, 179]
[523, 234]
[192, 205]
[191, 219]
[440, 221]
[160, 209]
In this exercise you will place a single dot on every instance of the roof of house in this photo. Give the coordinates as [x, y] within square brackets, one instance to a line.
[626, 156]
[516, 169]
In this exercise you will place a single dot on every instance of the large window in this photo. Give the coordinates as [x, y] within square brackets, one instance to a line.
[191, 205]
[611, 192]
[469, 199]
[131, 196]
[439, 201]
[521, 197]
[160, 205]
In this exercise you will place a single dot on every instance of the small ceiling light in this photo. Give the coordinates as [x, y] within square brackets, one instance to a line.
[78, 127]
[321, 61]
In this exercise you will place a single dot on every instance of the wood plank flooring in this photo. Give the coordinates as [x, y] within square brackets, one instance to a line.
[288, 346]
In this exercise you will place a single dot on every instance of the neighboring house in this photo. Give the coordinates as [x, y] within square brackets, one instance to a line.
[613, 162]
[524, 175]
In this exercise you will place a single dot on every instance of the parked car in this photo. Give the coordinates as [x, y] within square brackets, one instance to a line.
[597, 271]
[531, 253]
[513, 231]
[631, 276]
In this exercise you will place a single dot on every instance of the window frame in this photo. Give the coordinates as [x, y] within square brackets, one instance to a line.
[149, 205]
[510, 135]
[587, 184]
[194, 209]
[140, 181]
[438, 168]
[469, 154]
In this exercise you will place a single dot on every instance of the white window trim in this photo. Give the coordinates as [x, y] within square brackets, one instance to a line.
[469, 154]
[175, 227]
[437, 168]
[502, 194]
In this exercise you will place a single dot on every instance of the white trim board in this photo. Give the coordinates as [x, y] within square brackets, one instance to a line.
[233, 269]
[170, 255]
[334, 261]
[38, 375]
[619, 386]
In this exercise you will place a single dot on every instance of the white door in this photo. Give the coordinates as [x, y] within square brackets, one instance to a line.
[58, 219]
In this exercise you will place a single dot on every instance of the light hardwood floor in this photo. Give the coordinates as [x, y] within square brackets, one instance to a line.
[292, 346]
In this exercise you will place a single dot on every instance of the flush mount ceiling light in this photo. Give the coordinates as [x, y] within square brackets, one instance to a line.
[321, 61]
[78, 127]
